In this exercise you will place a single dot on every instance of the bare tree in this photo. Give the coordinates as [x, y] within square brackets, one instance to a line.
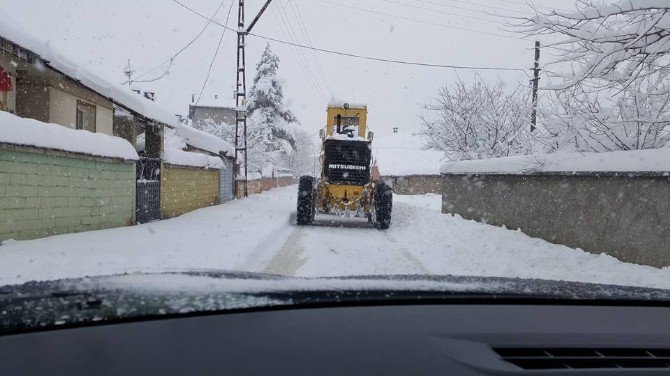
[620, 43]
[583, 120]
[474, 121]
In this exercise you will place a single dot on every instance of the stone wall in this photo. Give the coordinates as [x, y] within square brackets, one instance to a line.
[45, 192]
[622, 214]
[184, 189]
[262, 185]
[415, 184]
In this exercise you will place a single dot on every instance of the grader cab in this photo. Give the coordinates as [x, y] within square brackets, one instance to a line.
[345, 186]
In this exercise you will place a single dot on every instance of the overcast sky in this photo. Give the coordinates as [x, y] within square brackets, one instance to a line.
[103, 34]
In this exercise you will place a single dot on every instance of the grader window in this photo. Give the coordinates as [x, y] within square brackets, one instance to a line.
[347, 125]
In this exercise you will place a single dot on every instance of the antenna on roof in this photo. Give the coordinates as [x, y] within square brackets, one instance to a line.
[128, 71]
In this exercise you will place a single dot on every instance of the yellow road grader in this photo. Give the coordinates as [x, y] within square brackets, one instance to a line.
[345, 186]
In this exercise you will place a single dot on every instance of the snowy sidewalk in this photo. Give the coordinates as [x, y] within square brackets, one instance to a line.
[256, 235]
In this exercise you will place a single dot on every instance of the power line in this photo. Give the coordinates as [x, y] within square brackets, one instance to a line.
[357, 56]
[305, 69]
[309, 43]
[469, 9]
[218, 46]
[416, 20]
[300, 52]
[397, 2]
[210, 20]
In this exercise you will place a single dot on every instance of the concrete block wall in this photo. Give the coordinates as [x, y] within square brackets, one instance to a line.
[184, 189]
[45, 193]
[624, 215]
[261, 185]
[415, 184]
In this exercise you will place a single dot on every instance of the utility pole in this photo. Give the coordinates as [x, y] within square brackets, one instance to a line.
[241, 90]
[536, 79]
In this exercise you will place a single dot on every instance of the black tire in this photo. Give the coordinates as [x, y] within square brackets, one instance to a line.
[305, 214]
[383, 204]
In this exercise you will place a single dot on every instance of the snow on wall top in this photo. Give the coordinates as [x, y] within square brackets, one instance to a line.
[16, 33]
[401, 154]
[205, 141]
[652, 160]
[28, 132]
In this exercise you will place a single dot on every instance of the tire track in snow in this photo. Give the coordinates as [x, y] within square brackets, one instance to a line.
[288, 259]
[407, 255]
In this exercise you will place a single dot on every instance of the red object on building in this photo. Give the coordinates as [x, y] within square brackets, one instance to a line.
[5, 80]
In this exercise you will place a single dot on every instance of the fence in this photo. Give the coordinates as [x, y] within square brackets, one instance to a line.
[46, 192]
[148, 190]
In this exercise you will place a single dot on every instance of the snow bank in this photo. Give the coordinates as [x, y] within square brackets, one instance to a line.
[205, 141]
[28, 132]
[187, 158]
[402, 154]
[653, 160]
[14, 32]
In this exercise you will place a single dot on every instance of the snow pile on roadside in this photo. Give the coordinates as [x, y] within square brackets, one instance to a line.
[402, 154]
[651, 160]
[28, 132]
[16, 33]
[205, 141]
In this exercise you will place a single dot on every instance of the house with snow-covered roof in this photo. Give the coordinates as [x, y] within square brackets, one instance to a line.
[216, 110]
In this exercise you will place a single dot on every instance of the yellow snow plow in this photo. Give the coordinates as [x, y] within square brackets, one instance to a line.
[345, 186]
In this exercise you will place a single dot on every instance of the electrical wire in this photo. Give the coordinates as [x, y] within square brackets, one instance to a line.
[315, 76]
[211, 63]
[280, 23]
[416, 20]
[357, 56]
[305, 29]
[171, 60]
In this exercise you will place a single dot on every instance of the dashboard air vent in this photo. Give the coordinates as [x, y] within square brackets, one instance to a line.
[581, 358]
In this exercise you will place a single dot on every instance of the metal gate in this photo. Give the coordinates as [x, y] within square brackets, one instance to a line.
[227, 182]
[148, 193]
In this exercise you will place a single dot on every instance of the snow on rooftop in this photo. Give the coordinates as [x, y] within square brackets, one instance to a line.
[123, 95]
[205, 141]
[187, 158]
[174, 142]
[402, 154]
[335, 102]
[28, 132]
[652, 160]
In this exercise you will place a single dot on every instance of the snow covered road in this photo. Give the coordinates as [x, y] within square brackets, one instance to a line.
[257, 235]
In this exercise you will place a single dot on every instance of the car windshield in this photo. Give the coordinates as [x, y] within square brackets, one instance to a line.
[213, 147]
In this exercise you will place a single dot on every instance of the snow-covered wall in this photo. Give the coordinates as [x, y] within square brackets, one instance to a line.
[652, 160]
[28, 132]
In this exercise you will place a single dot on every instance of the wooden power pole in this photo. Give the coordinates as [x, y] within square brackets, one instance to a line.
[241, 91]
[536, 79]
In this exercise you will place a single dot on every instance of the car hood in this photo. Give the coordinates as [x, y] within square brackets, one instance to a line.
[105, 299]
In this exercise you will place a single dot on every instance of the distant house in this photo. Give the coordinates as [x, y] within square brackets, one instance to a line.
[214, 110]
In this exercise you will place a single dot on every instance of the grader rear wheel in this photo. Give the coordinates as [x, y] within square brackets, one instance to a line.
[306, 198]
[383, 204]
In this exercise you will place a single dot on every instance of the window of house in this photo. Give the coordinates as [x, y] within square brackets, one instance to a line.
[85, 116]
